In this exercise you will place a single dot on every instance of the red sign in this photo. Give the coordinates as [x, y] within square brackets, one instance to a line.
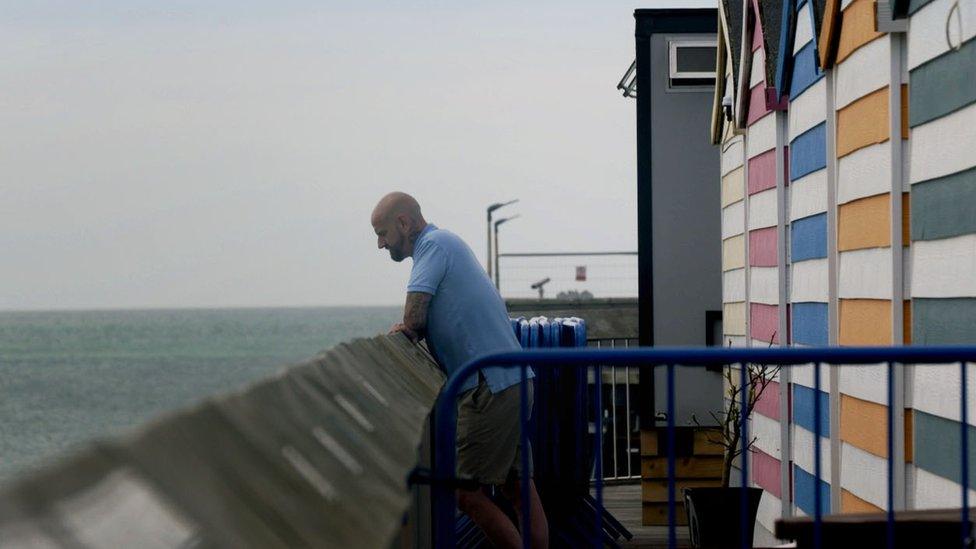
[581, 273]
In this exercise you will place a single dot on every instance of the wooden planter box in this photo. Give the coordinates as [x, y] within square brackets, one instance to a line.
[698, 463]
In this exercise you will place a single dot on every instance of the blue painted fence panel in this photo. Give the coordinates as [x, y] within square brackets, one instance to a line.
[809, 323]
[803, 409]
[803, 492]
[808, 238]
[808, 152]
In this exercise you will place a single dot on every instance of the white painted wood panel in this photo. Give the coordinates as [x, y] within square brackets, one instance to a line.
[733, 219]
[865, 274]
[808, 109]
[734, 286]
[935, 390]
[809, 281]
[864, 475]
[766, 431]
[770, 509]
[803, 375]
[803, 452]
[732, 158]
[927, 31]
[864, 381]
[762, 136]
[934, 492]
[944, 268]
[944, 146]
[764, 285]
[865, 71]
[762, 209]
[758, 73]
[808, 195]
[737, 341]
[804, 29]
[865, 172]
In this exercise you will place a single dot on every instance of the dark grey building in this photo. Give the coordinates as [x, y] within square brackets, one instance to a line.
[680, 293]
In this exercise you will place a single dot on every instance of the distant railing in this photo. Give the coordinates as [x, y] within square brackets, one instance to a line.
[621, 450]
[594, 360]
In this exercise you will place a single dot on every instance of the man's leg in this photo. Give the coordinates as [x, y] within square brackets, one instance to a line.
[538, 525]
[489, 517]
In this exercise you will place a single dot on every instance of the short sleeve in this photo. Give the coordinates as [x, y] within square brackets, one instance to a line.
[430, 263]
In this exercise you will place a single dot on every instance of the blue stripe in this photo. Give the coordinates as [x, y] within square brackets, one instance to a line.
[803, 409]
[801, 4]
[808, 238]
[803, 496]
[809, 323]
[808, 151]
[805, 72]
[784, 60]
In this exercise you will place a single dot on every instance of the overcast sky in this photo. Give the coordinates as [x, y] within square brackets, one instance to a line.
[164, 154]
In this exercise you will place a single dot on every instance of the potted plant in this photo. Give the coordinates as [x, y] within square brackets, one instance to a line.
[714, 514]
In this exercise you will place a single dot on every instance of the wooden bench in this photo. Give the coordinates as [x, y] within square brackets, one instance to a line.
[928, 529]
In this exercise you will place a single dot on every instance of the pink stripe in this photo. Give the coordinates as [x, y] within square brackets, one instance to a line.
[765, 472]
[768, 403]
[762, 172]
[764, 322]
[757, 33]
[762, 247]
[757, 103]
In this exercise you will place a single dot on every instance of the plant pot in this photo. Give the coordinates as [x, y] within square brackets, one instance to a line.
[714, 515]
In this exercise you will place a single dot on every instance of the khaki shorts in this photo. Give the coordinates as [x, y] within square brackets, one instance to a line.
[488, 434]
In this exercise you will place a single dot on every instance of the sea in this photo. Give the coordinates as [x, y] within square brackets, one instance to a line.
[69, 377]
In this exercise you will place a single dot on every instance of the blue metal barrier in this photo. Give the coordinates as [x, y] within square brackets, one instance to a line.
[444, 505]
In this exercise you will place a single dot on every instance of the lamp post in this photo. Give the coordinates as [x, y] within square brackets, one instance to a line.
[497, 223]
[491, 209]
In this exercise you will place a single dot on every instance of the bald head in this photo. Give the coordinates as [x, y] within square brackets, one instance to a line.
[397, 221]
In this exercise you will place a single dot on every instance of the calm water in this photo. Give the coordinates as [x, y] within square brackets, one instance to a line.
[66, 377]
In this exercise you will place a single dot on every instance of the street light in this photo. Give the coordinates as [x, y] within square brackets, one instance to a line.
[491, 210]
[497, 223]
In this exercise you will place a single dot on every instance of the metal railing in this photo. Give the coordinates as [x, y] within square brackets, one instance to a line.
[445, 427]
[622, 451]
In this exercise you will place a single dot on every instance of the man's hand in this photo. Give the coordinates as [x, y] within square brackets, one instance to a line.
[402, 328]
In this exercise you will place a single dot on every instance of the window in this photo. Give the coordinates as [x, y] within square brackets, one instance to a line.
[692, 62]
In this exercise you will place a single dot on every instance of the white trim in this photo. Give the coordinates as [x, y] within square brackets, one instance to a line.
[758, 73]
[865, 381]
[764, 285]
[862, 274]
[944, 146]
[808, 109]
[733, 219]
[935, 391]
[804, 28]
[944, 268]
[865, 71]
[808, 195]
[766, 432]
[734, 286]
[674, 44]
[803, 375]
[762, 136]
[927, 32]
[934, 492]
[732, 157]
[864, 475]
[809, 281]
[845, 3]
[865, 172]
[803, 452]
[762, 209]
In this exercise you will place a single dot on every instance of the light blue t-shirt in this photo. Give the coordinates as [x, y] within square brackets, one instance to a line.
[466, 318]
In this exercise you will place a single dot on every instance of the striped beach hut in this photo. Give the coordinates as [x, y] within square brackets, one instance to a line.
[941, 66]
[866, 157]
[761, 114]
[800, 81]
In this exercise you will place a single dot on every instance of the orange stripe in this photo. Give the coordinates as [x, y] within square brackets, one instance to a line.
[865, 322]
[907, 317]
[849, 503]
[827, 41]
[864, 122]
[733, 253]
[857, 28]
[906, 219]
[865, 424]
[904, 111]
[864, 223]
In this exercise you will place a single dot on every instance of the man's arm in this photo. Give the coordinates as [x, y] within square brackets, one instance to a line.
[414, 323]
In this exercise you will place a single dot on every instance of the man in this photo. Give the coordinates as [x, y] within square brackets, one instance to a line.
[454, 306]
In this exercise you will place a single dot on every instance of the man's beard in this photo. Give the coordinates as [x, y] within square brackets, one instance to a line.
[396, 255]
